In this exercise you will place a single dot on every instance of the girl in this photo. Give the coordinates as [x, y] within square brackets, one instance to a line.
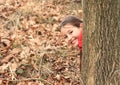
[71, 29]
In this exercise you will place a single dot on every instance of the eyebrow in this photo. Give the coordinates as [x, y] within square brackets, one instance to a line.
[68, 31]
[67, 27]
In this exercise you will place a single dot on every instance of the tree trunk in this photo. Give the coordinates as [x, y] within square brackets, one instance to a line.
[101, 42]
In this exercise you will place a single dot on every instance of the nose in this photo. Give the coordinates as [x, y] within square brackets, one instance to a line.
[69, 37]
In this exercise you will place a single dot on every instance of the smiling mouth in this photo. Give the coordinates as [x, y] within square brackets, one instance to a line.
[73, 41]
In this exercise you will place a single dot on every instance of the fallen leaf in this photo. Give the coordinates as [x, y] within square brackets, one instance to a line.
[7, 58]
[3, 68]
[15, 51]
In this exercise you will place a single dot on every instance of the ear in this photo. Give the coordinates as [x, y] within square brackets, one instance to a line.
[81, 25]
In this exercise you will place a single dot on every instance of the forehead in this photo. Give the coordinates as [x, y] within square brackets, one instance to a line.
[66, 28]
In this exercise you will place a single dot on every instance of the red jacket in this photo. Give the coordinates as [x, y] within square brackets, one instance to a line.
[80, 41]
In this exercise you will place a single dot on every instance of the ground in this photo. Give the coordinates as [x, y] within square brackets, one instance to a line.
[32, 51]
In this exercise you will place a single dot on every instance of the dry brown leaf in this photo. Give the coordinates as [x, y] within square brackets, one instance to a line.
[25, 53]
[33, 83]
[24, 24]
[3, 68]
[11, 55]
[6, 42]
[21, 83]
[2, 1]
[58, 77]
[38, 23]
[7, 58]
[15, 51]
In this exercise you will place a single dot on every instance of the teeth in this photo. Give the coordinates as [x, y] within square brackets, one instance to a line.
[73, 41]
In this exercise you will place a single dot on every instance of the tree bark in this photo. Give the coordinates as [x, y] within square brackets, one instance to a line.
[101, 42]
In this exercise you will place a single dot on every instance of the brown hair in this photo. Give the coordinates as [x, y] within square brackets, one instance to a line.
[75, 21]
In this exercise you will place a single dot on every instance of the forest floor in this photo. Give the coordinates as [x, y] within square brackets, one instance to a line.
[32, 52]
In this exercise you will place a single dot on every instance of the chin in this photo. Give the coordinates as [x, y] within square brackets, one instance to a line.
[75, 45]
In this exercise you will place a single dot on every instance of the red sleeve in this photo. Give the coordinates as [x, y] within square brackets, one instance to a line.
[80, 41]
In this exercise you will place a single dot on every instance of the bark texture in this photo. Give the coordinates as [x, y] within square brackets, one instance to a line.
[101, 42]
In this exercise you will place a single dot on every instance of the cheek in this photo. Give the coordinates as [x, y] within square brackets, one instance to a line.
[76, 34]
[66, 40]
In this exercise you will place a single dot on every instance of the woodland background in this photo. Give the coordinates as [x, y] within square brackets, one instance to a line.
[32, 52]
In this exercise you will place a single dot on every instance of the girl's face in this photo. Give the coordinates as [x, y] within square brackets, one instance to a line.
[71, 34]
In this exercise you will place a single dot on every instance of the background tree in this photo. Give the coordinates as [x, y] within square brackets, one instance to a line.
[101, 44]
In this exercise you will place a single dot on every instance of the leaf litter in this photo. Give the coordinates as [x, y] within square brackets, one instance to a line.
[32, 51]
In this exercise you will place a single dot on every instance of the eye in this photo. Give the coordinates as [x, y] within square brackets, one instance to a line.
[70, 32]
